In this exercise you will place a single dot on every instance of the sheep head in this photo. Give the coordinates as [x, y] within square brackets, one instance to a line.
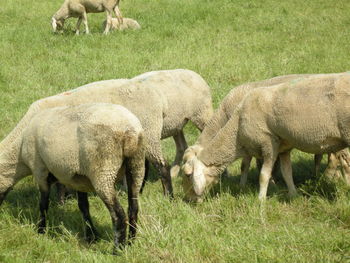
[57, 25]
[198, 177]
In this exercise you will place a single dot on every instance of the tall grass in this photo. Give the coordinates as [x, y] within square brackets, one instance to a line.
[227, 42]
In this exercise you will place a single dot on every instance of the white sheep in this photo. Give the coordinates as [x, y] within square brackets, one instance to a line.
[310, 114]
[224, 112]
[80, 8]
[83, 147]
[164, 101]
[128, 23]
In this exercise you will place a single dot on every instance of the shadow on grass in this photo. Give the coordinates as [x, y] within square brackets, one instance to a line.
[23, 204]
[303, 177]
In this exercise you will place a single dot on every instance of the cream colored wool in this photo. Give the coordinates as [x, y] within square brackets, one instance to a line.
[163, 101]
[80, 8]
[83, 146]
[271, 121]
[223, 114]
[128, 23]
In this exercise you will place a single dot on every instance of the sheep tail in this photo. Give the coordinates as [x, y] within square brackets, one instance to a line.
[132, 142]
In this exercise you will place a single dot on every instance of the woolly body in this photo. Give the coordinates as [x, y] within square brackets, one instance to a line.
[222, 116]
[273, 120]
[163, 101]
[78, 143]
[128, 23]
[86, 147]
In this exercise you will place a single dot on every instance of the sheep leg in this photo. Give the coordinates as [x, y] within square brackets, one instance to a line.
[259, 164]
[77, 31]
[181, 146]
[154, 150]
[286, 169]
[265, 173]
[133, 190]
[44, 206]
[118, 14]
[83, 203]
[145, 179]
[164, 171]
[108, 22]
[317, 161]
[85, 23]
[244, 170]
[61, 193]
[106, 191]
[44, 188]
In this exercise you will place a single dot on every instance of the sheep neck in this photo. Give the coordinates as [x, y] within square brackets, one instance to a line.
[224, 147]
[62, 13]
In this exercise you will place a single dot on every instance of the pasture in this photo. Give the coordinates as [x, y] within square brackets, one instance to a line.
[228, 43]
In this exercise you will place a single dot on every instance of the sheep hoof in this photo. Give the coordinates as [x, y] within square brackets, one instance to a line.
[174, 171]
[92, 239]
[293, 195]
[91, 235]
[41, 230]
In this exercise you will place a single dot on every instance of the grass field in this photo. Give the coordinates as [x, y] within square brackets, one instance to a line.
[228, 43]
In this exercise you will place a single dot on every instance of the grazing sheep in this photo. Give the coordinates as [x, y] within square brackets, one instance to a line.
[128, 23]
[310, 114]
[224, 112]
[80, 8]
[164, 101]
[84, 147]
[340, 160]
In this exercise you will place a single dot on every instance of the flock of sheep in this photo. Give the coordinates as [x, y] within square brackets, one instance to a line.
[80, 8]
[90, 137]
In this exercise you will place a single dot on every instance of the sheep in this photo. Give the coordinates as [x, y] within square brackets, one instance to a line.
[270, 122]
[83, 147]
[128, 23]
[80, 8]
[224, 112]
[164, 101]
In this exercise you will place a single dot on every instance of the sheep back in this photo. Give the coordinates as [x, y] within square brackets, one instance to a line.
[81, 140]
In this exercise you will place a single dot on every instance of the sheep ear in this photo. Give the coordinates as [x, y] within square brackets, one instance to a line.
[199, 180]
[54, 24]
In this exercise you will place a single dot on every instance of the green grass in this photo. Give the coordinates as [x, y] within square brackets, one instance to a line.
[228, 43]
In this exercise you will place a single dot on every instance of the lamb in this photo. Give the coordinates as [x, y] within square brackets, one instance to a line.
[85, 147]
[270, 122]
[128, 23]
[80, 8]
[164, 101]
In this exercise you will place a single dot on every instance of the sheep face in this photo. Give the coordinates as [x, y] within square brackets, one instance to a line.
[57, 25]
[197, 178]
